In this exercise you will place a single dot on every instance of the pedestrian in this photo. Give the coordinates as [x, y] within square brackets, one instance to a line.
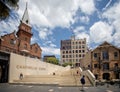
[21, 76]
[82, 82]
[77, 72]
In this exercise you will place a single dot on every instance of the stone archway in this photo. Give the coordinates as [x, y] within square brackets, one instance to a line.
[106, 76]
[4, 67]
[0, 72]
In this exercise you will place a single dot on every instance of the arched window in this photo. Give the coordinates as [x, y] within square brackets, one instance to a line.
[36, 49]
[12, 42]
[25, 46]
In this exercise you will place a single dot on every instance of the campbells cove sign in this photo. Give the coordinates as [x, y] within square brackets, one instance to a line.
[29, 66]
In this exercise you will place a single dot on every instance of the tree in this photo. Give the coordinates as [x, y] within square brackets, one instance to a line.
[6, 6]
[67, 63]
[52, 60]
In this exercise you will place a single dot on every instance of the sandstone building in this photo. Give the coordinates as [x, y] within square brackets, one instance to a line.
[106, 61]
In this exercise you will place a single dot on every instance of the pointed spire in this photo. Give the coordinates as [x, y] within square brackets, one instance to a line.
[25, 18]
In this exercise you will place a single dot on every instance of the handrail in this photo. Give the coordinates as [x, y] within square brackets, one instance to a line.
[90, 76]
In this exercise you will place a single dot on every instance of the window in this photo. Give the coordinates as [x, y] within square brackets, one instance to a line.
[106, 66]
[76, 55]
[79, 55]
[31, 47]
[83, 51]
[36, 49]
[95, 55]
[63, 47]
[95, 65]
[79, 47]
[105, 55]
[76, 51]
[115, 54]
[83, 55]
[25, 46]
[83, 42]
[12, 42]
[76, 47]
[63, 56]
[27, 21]
[116, 64]
[73, 51]
[25, 38]
[83, 46]
[116, 67]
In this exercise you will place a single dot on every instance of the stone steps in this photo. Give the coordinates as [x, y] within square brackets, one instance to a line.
[67, 78]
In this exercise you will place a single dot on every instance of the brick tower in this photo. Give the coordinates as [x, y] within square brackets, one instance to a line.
[24, 33]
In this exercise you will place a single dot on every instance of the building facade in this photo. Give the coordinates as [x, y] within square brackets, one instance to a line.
[20, 42]
[105, 61]
[86, 61]
[73, 50]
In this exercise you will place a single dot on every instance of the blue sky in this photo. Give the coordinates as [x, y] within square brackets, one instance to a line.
[56, 20]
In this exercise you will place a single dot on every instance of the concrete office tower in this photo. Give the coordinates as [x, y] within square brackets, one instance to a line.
[73, 50]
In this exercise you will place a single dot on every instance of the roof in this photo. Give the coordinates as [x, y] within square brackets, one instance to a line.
[49, 56]
[106, 44]
[36, 45]
[25, 18]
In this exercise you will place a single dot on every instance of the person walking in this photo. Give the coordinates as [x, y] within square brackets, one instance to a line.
[82, 80]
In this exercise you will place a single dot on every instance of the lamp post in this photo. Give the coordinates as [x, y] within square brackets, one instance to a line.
[117, 72]
[72, 54]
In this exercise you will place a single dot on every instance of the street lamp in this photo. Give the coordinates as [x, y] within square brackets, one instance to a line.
[117, 72]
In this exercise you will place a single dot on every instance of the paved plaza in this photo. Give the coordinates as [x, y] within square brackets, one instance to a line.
[54, 88]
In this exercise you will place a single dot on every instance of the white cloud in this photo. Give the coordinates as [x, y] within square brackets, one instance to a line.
[101, 31]
[107, 4]
[79, 29]
[83, 35]
[113, 16]
[116, 38]
[80, 33]
[44, 32]
[8, 25]
[50, 44]
[112, 13]
[84, 19]
[87, 6]
[53, 13]
[50, 51]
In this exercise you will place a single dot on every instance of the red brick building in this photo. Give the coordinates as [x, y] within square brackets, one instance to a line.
[20, 42]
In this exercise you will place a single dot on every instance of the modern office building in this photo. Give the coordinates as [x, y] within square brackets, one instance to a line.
[73, 50]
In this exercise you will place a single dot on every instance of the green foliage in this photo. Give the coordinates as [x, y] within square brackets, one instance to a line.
[6, 6]
[66, 64]
[52, 60]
